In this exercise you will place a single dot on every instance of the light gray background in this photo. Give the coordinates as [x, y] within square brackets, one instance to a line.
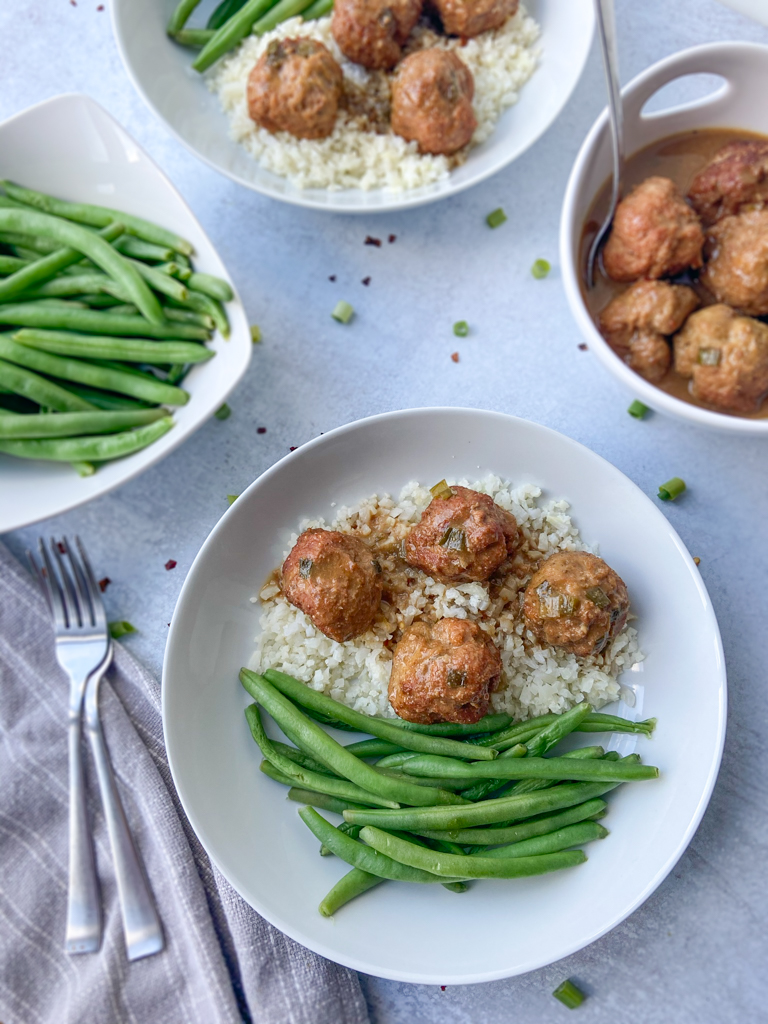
[697, 950]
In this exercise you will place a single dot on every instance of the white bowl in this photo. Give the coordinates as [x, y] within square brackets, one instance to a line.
[161, 72]
[71, 147]
[738, 103]
[254, 835]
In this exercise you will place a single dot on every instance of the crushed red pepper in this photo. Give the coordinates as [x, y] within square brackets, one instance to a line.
[391, 239]
[366, 281]
[332, 277]
[455, 356]
[372, 241]
[583, 347]
[171, 563]
[104, 583]
[261, 430]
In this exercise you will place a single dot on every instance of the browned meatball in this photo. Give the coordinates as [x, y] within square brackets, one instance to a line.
[467, 18]
[737, 176]
[373, 32]
[444, 673]
[636, 323]
[655, 234]
[462, 539]
[575, 601]
[726, 355]
[432, 101]
[295, 87]
[335, 580]
[736, 271]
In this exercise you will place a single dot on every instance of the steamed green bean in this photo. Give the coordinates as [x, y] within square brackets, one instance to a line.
[558, 768]
[129, 350]
[76, 424]
[524, 830]
[89, 321]
[328, 803]
[89, 449]
[21, 381]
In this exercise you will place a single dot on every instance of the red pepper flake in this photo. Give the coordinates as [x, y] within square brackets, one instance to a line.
[61, 547]
[332, 277]
[372, 241]
[366, 281]
[100, 7]
[293, 449]
[261, 430]
[391, 239]
[583, 346]
[442, 988]
[171, 563]
[103, 584]
[455, 356]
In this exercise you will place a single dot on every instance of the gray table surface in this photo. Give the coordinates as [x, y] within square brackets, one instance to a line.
[696, 951]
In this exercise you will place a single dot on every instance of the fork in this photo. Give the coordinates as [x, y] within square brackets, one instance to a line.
[84, 651]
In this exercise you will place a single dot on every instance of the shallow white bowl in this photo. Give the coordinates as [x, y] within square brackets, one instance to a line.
[161, 72]
[738, 103]
[71, 147]
[255, 836]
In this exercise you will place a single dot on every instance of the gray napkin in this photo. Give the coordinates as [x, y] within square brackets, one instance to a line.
[222, 964]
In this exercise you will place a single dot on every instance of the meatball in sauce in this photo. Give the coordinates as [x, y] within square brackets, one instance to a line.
[373, 32]
[468, 18]
[736, 271]
[432, 94]
[462, 538]
[575, 601]
[444, 673]
[335, 580]
[295, 87]
[736, 177]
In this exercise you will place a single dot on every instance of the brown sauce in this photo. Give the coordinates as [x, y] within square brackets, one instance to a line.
[679, 158]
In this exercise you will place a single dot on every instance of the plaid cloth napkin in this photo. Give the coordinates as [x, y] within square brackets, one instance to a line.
[222, 964]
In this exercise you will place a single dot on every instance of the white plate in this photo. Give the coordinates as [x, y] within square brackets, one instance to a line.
[161, 72]
[71, 147]
[413, 933]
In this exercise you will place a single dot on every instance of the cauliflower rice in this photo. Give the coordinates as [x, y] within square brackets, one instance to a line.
[535, 679]
[356, 154]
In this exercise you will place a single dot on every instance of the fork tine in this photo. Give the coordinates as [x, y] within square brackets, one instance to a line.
[74, 613]
[94, 593]
[81, 586]
[41, 578]
[53, 589]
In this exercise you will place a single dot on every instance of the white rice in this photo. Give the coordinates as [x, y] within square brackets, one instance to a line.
[501, 62]
[535, 679]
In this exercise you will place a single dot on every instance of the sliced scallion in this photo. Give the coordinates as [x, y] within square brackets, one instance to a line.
[461, 328]
[232, 498]
[598, 597]
[540, 269]
[671, 489]
[223, 412]
[637, 409]
[454, 539]
[305, 568]
[255, 334]
[569, 995]
[496, 218]
[121, 628]
[709, 356]
[441, 490]
[342, 312]
[455, 678]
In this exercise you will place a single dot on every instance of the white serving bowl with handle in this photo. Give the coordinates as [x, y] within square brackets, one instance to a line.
[739, 103]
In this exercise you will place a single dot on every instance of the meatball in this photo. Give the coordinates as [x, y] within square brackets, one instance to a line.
[655, 234]
[577, 602]
[636, 322]
[295, 87]
[444, 673]
[335, 580]
[467, 18]
[736, 177]
[736, 271]
[373, 32]
[726, 355]
[432, 101]
[463, 538]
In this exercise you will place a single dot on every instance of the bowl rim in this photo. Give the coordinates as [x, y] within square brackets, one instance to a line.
[571, 224]
[201, 831]
[400, 201]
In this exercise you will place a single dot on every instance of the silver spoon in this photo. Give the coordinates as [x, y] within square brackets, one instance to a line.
[606, 27]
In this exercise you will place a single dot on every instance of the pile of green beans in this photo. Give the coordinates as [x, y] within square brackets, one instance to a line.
[419, 813]
[101, 317]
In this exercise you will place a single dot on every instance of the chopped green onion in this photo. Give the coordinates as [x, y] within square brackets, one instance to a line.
[232, 498]
[121, 628]
[555, 606]
[569, 995]
[455, 678]
[461, 328]
[598, 597]
[540, 269]
[305, 568]
[342, 312]
[709, 356]
[496, 218]
[441, 490]
[255, 334]
[223, 412]
[671, 489]
[454, 539]
[637, 409]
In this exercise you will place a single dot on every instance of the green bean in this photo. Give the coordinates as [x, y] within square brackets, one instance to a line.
[89, 321]
[328, 803]
[558, 768]
[282, 11]
[302, 759]
[175, 269]
[320, 784]
[96, 376]
[524, 830]
[489, 724]
[45, 392]
[396, 759]
[99, 216]
[408, 837]
[141, 250]
[332, 785]
[303, 695]
[552, 842]
[201, 303]
[483, 789]
[221, 14]
[332, 723]
[96, 399]
[41, 246]
[315, 741]
[193, 38]
[180, 15]
[551, 735]
[10, 264]
[210, 285]
[318, 9]
[163, 283]
[442, 864]
[531, 785]
[508, 809]
[128, 350]
[89, 449]
[360, 856]
[231, 33]
[82, 284]
[443, 845]
[594, 722]
[76, 424]
[91, 245]
[372, 748]
[38, 270]
[353, 884]
[189, 316]
[392, 773]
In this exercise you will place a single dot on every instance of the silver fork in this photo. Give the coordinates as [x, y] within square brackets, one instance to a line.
[84, 651]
